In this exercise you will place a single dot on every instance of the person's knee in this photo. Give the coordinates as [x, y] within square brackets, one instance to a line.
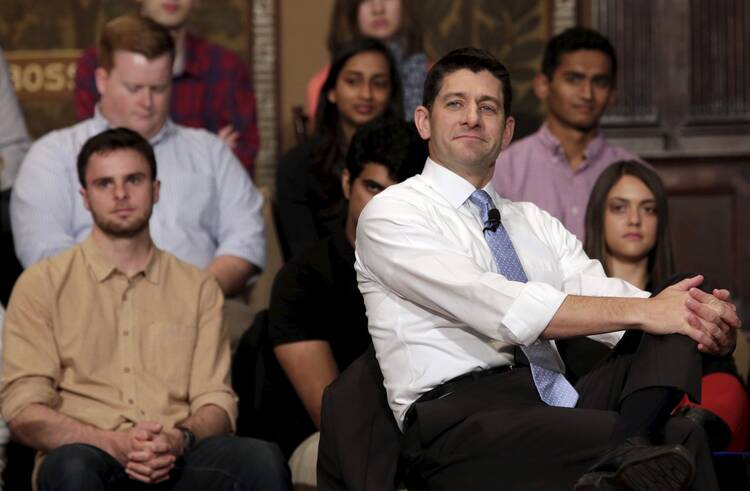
[74, 466]
[256, 463]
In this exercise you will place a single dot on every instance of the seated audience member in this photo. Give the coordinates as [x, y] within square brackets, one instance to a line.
[116, 365]
[317, 320]
[555, 168]
[392, 22]
[211, 88]
[627, 230]
[14, 142]
[465, 292]
[361, 86]
[14, 139]
[209, 212]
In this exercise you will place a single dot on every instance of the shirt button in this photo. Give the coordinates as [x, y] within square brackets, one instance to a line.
[125, 333]
[127, 370]
[130, 401]
[575, 210]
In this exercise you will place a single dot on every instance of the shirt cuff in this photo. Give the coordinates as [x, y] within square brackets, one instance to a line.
[23, 393]
[532, 311]
[255, 254]
[224, 400]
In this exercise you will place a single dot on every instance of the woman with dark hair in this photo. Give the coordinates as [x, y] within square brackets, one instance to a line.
[362, 85]
[395, 24]
[627, 225]
[627, 230]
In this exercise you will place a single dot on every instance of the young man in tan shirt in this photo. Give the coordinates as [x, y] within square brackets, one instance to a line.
[116, 363]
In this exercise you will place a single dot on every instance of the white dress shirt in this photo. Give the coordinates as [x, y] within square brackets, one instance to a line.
[436, 305]
[208, 206]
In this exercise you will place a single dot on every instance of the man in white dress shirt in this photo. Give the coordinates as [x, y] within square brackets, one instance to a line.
[455, 336]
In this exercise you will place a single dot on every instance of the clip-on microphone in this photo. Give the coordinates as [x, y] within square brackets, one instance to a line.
[493, 219]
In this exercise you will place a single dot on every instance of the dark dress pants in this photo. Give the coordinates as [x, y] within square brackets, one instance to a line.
[495, 432]
[220, 463]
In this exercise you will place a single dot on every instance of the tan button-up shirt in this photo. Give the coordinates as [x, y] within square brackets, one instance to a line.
[110, 350]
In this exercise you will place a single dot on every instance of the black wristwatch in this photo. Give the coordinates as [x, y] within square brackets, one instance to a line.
[188, 439]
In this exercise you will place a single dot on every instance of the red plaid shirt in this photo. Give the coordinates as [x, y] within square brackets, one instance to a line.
[213, 91]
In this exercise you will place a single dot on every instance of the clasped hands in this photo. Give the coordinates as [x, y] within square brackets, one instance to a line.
[710, 319]
[148, 451]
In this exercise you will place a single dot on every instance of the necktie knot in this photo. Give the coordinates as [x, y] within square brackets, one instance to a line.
[490, 214]
[482, 200]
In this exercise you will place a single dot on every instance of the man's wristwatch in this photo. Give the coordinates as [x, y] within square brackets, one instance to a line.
[188, 439]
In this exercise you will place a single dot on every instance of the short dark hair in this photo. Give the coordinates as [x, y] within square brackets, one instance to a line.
[394, 144]
[660, 261]
[134, 33]
[474, 59]
[575, 39]
[114, 139]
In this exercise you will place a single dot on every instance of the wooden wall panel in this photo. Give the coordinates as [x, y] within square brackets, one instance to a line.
[630, 26]
[709, 198]
[720, 60]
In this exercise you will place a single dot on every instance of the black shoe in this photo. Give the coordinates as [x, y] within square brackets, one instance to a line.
[718, 432]
[637, 465]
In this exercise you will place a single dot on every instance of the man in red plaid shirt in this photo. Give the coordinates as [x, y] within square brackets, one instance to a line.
[211, 88]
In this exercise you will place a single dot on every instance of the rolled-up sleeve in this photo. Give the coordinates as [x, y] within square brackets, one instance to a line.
[209, 376]
[31, 365]
[397, 246]
[239, 228]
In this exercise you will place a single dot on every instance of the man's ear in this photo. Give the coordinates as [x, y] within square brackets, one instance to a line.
[101, 76]
[156, 191]
[510, 127]
[422, 122]
[541, 84]
[346, 185]
[85, 197]
[612, 96]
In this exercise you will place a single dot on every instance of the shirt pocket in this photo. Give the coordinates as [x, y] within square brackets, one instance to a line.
[166, 350]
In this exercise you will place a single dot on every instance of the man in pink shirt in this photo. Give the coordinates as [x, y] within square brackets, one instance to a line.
[556, 167]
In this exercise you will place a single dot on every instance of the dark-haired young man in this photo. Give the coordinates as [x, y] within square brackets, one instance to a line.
[465, 293]
[556, 167]
[317, 318]
[116, 365]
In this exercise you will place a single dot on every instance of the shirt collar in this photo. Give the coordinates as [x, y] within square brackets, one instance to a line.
[101, 123]
[450, 185]
[103, 268]
[593, 149]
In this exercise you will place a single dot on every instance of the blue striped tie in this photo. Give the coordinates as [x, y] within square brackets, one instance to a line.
[553, 387]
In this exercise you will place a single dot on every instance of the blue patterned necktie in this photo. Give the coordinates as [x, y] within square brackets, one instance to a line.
[553, 387]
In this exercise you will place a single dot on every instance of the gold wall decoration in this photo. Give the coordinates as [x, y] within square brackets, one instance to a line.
[513, 30]
[43, 39]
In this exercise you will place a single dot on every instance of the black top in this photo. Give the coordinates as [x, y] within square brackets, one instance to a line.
[306, 213]
[315, 296]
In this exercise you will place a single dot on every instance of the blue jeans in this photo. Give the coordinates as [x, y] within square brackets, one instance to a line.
[220, 463]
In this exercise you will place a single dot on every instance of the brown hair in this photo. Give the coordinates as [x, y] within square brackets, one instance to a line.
[344, 26]
[135, 34]
[660, 262]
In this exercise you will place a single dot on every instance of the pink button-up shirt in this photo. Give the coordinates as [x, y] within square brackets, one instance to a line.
[535, 169]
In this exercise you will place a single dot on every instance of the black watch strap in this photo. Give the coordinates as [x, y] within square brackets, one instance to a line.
[188, 439]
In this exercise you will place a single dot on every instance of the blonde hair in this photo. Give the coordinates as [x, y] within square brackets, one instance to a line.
[135, 34]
